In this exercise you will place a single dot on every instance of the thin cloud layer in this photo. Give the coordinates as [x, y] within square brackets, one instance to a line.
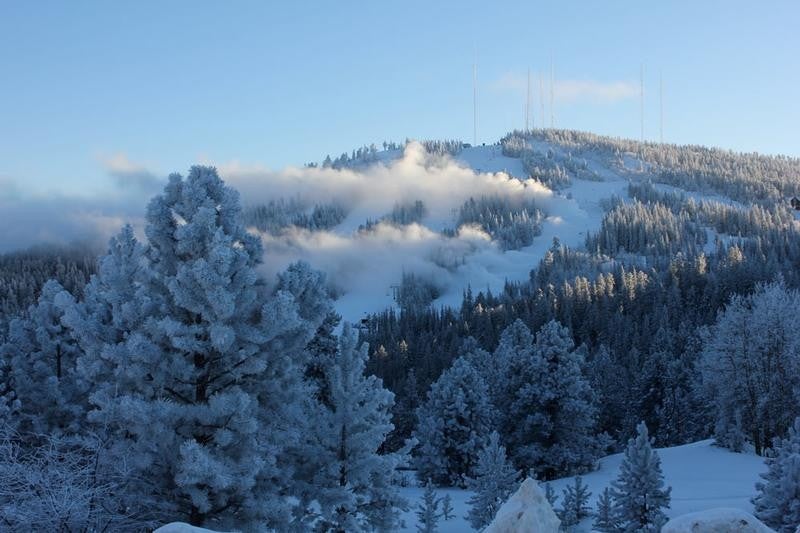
[566, 91]
[128, 174]
[440, 182]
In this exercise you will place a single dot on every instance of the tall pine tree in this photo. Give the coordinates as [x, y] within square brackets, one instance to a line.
[219, 359]
[639, 493]
[778, 501]
[48, 393]
[495, 480]
[454, 425]
[550, 418]
[345, 477]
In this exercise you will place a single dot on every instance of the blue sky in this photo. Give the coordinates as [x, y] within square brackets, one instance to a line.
[92, 89]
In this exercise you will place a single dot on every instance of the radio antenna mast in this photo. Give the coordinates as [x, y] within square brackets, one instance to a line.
[641, 100]
[541, 99]
[661, 105]
[552, 89]
[528, 102]
[475, 99]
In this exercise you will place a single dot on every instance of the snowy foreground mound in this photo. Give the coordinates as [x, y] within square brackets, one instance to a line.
[525, 511]
[182, 527]
[722, 520]
[703, 477]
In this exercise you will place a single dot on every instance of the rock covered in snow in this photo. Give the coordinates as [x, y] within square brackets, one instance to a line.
[181, 527]
[720, 520]
[525, 511]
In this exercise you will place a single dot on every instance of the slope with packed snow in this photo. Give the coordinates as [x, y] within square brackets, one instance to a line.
[702, 477]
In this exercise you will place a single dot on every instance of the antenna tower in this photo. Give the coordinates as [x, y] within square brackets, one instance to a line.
[552, 90]
[541, 99]
[641, 101]
[475, 100]
[661, 106]
[528, 103]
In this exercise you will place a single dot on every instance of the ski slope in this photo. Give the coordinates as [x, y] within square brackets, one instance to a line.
[364, 268]
[571, 213]
[702, 477]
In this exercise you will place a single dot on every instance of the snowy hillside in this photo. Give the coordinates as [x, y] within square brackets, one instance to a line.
[365, 267]
[367, 251]
[702, 477]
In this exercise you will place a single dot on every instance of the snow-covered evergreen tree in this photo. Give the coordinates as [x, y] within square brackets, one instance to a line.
[605, 520]
[751, 366]
[322, 352]
[639, 493]
[501, 372]
[548, 406]
[494, 481]
[48, 394]
[549, 494]
[454, 425]
[575, 505]
[447, 507]
[778, 501]
[342, 471]
[428, 510]
[212, 403]
[113, 306]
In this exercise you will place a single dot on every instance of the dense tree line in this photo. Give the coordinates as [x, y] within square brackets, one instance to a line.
[402, 214]
[278, 215]
[513, 224]
[24, 273]
[745, 177]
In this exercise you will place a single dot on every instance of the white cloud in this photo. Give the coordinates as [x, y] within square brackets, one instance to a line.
[440, 182]
[128, 174]
[568, 91]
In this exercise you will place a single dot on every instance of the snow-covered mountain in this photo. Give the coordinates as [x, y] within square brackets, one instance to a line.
[368, 251]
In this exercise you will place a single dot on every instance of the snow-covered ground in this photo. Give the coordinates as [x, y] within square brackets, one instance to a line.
[702, 477]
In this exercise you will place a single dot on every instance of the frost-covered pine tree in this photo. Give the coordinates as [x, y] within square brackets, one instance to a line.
[428, 510]
[213, 389]
[549, 494]
[751, 366]
[454, 425]
[343, 473]
[502, 372]
[605, 520]
[549, 408]
[778, 501]
[447, 507]
[112, 307]
[322, 352]
[494, 481]
[575, 505]
[639, 492]
[48, 393]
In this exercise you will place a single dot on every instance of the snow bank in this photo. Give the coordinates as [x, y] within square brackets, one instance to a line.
[181, 527]
[527, 510]
[720, 520]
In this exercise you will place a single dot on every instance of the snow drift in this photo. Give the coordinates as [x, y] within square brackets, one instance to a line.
[720, 520]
